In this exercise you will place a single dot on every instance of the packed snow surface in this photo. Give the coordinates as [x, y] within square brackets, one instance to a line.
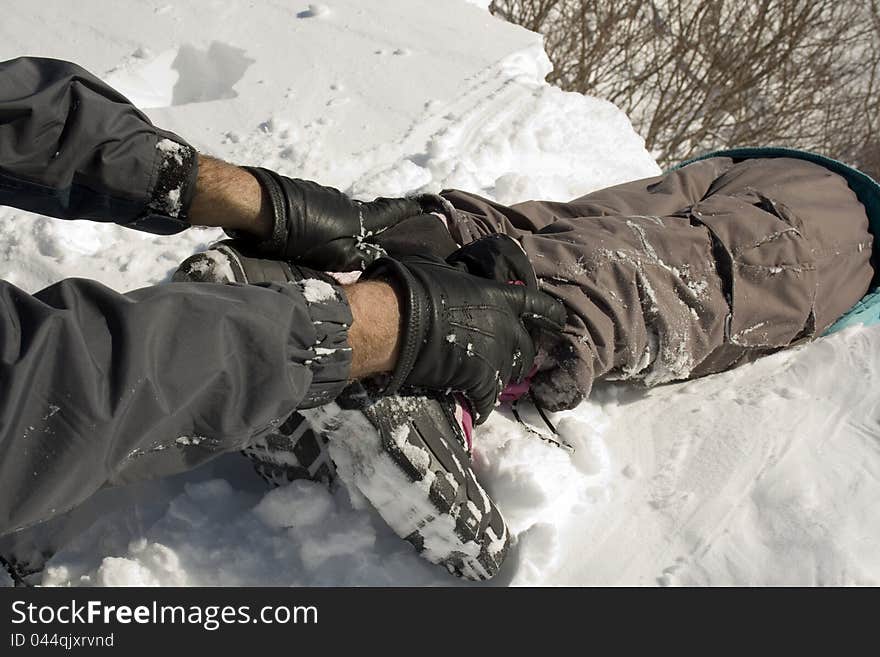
[769, 474]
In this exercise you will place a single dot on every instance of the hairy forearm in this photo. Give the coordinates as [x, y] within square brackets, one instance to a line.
[228, 196]
[375, 331]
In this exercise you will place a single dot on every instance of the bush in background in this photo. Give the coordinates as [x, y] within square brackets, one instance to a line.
[698, 75]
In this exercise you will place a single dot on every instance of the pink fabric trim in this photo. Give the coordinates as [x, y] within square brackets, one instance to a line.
[514, 391]
[463, 416]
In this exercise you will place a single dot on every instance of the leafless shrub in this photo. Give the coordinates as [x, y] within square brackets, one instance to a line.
[697, 75]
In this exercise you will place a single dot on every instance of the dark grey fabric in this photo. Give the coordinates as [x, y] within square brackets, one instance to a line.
[100, 388]
[72, 147]
[692, 272]
[105, 388]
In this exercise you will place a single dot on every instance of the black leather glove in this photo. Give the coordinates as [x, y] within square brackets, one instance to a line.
[465, 332]
[322, 227]
[499, 257]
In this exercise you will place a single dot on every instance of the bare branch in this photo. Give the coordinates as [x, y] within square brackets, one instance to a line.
[697, 75]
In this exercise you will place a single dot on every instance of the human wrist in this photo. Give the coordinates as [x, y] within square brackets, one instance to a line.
[230, 197]
[375, 334]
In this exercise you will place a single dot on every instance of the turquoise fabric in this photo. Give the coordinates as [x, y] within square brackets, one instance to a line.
[866, 311]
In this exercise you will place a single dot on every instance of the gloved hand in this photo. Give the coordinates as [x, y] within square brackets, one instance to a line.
[498, 257]
[322, 227]
[466, 332]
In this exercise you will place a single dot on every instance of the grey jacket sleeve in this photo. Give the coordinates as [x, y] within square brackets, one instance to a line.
[72, 147]
[100, 388]
[104, 388]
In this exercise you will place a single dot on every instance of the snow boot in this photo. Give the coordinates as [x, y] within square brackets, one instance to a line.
[408, 455]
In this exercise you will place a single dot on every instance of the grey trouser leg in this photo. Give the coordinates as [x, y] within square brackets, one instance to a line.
[689, 273]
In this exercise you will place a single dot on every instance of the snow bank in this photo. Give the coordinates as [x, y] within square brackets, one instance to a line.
[762, 475]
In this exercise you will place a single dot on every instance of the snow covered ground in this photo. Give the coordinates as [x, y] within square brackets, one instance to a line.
[769, 474]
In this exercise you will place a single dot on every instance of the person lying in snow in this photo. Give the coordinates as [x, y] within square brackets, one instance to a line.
[678, 276]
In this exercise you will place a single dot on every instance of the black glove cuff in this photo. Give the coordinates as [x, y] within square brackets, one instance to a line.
[414, 316]
[276, 243]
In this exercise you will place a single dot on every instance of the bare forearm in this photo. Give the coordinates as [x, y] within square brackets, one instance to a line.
[228, 196]
[375, 331]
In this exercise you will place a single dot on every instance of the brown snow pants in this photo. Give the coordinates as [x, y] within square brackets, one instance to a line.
[689, 273]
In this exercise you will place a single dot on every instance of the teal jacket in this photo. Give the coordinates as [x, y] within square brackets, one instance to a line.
[866, 311]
